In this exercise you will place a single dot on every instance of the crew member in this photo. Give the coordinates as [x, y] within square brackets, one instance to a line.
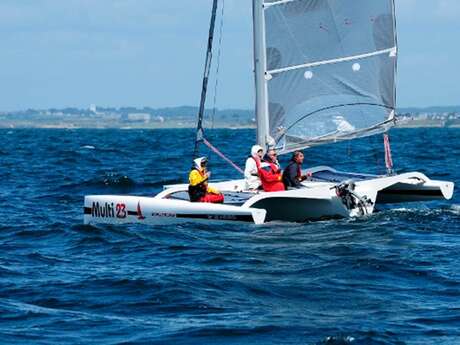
[251, 173]
[272, 158]
[270, 173]
[198, 189]
[292, 175]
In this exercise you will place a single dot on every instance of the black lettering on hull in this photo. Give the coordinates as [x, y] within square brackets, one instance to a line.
[106, 210]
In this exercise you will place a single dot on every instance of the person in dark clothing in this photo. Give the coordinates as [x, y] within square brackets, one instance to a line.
[292, 175]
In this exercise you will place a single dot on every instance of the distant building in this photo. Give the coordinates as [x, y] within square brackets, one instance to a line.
[139, 117]
[112, 116]
[93, 108]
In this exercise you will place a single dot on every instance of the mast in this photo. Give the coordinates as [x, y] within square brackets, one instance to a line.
[260, 67]
[207, 70]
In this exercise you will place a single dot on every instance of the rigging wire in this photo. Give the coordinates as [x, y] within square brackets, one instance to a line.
[219, 53]
[221, 155]
[200, 137]
[204, 89]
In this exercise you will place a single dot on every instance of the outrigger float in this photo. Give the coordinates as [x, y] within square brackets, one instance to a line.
[325, 71]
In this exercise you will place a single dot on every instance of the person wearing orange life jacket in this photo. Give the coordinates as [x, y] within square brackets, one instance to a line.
[198, 189]
[270, 173]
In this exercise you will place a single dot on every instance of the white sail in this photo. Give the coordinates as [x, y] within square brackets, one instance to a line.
[330, 70]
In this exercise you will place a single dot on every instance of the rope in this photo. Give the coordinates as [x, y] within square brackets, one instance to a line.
[221, 155]
[388, 157]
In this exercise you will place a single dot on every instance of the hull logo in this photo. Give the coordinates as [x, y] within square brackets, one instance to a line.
[106, 210]
[140, 216]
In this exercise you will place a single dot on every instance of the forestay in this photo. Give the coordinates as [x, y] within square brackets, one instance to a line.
[330, 70]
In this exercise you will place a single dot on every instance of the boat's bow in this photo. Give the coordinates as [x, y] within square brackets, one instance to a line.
[114, 209]
[406, 187]
[411, 187]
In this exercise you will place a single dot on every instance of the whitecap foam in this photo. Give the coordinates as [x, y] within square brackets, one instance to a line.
[338, 340]
[402, 209]
[455, 209]
[88, 147]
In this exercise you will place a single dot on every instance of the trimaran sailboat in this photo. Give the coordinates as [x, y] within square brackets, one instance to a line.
[324, 72]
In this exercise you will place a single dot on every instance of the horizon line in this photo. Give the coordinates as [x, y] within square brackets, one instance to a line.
[193, 106]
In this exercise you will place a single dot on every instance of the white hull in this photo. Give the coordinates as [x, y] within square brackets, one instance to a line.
[317, 200]
[115, 209]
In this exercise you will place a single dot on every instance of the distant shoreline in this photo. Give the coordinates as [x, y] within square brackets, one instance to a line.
[96, 117]
[3, 127]
[61, 126]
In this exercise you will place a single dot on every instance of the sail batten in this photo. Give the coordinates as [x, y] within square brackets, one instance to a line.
[330, 69]
[327, 62]
[277, 2]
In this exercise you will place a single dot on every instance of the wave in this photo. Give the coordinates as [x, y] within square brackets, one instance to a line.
[118, 181]
[340, 340]
[196, 282]
[48, 259]
[5, 271]
[86, 242]
[455, 209]
[37, 233]
[228, 331]
[109, 180]
[26, 309]
[419, 210]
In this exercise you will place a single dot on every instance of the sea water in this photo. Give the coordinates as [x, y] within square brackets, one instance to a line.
[391, 278]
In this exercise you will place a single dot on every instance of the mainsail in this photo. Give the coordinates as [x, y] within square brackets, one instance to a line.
[328, 69]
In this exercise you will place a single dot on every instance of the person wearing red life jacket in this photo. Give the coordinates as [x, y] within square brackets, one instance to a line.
[270, 173]
[198, 189]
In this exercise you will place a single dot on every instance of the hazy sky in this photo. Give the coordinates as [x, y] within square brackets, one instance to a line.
[58, 53]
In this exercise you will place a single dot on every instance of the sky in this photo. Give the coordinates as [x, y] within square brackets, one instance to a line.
[73, 53]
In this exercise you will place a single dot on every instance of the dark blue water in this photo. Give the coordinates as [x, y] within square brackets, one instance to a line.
[393, 278]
